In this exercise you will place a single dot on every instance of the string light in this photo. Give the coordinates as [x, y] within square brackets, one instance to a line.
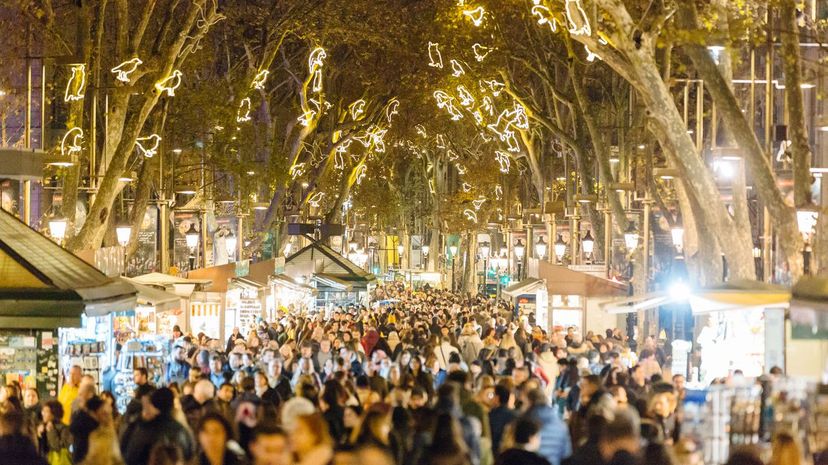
[148, 146]
[297, 170]
[480, 51]
[461, 170]
[544, 16]
[440, 141]
[487, 105]
[74, 137]
[315, 59]
[451, 155]
[577, 18]
[466, 99]
[316, 199]
[420, 129]
[457, 68]
[478, 117]
[520, 119]
[434, 55]
[203, 24]
[478, 203]
[503, 160]
[378, 138]
[243, 114]
[470, 215]
[356, 109]
[339, 161]
[169, 83]
[476, 15]
[126, 68]
[446, 101]
[501, 126]
[466, 187]
[76, 84]
[391, 109]
[431, 186]
[512, 143]
[259, 80]
[364, 139]
[306, 118]
[495, 86]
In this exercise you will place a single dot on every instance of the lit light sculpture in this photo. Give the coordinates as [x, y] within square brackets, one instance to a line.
[544, 16]
[434, 56]
[316, 199]
[391, 109]
[446, 101]
[297, 170]
[591, 56]
[470, 215]
[476, 15]
[421, 131]
[466, 187]
[316, 59]
[356, 109]
[457, 68]
[480, 52]
[71, 142]
[503, 160]
[478, 203]
[148, 146]
[498, 192]
[360, 173]
[126, 68]
[259, 80]
[76, 84]
[577, 18]
[169, 83]
[431, 188]
[495, 87]
[243, 113]
[466, 99]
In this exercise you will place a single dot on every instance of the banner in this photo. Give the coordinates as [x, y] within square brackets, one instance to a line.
[145, 258]
[181, 224]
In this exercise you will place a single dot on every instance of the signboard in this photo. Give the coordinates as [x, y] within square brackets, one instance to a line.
[181, 224]
[145, 258]
[225, 226]
[774, 338]
[595, 270]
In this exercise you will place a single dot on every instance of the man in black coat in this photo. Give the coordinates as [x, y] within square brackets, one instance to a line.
[157, 426]
[82, 424]
[501, 415]
[527, 443]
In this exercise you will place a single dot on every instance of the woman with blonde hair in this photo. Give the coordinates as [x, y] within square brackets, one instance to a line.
[785, 450]
[312, 440]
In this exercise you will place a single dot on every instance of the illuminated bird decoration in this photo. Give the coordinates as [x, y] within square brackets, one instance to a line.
[440, 141]
[544, 16]
[391, 109]
[431, 188]
[470, 215]
[487, 105]
[421, 131]
[512, 143]
[466, 187]
[76, 84]
[434, 56]
[243, 114]
[296, 170]
[71, 142]
[476, 15]
[259, 80]
[590, 55]
[480, 52]
[357, 109]
[498, 192]
[495, 86]
[360, 173]
[451, 155]
[457, 68]
[461, 170]
[126, 68]
[465, 96]
[316, 199]
[315, 59]
[577, 18]
[478, 203]
[317, 81]
[148, 146]
[339, 161]
[478, 117]
[503, 160]
[446, 101]
[169, 83]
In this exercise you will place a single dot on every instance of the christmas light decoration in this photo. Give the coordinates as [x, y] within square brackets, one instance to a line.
[356, 109]
[451, 155]
[377, 138]
[431, 187]
[498, 192]
[591, 56]
[360, 173]
[512, 143]
[461, 170]
[434, 56]
[76, 84]
[495, 86]
[148, 146]
[297, 170]
[466, 99]
[203, 24]
[520, 120]
[364, 139]
[339, 161]
[577, 18]
[478, 203]
[440, 141]
[391, 109]
[457, 68]
[316, 199]
[71, 142]
[544, 16]
[317, 81]
[126, 68]
[420, 129]
[487, 105]
[259, 80]
[478, 117]
[466, 187]
[306, 118]
[315, 59]
[446, 101]
[243, 113]
[476, 15]
[169, 83]
[480, 51]
[470, 215]
[503, 160]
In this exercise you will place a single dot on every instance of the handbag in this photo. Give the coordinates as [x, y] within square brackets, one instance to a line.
[59, 457]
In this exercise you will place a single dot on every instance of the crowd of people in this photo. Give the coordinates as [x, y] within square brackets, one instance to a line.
[427, 378]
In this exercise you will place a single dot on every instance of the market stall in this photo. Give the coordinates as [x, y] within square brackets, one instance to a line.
[531, 300]
[46, 288]
[288, 296]
[184, 288]
[338, 280]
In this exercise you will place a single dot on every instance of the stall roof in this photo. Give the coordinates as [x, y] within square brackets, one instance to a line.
[526, 286]
[560, 280]
[166, 279]
[219, 276]
[43, 285]
[289, 282]
[322, 259]
[333, 281]
[152, 296]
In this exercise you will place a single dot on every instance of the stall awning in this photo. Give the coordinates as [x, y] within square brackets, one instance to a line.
[44, 286]
[288, 282]
[560, 280]
[527, 286]
[151, 296]
[319, 259]
[333, 282]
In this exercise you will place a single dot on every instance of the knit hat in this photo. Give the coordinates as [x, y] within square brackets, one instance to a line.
[162, 399]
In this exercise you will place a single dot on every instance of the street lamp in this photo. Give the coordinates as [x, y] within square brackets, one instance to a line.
[540, 248]
[191, 236]
[57, 228]
[631, 237]
[424, 249]
[520, 249]
[230, 243]
[588, 242]
[806, 220]
[678, 238]
[453, 253]
[485, 249]
[400, 250]
[123, 232]
[560, 247]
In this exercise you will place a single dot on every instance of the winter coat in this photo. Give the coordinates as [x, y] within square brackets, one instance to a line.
[19, 450]
[555, 443]
[138, 440]
[470, 347]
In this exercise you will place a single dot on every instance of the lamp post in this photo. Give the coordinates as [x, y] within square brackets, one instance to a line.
[485, 249]
[452, 254]
[588, 242]
[520, 249]
[757, 262]
[424, 252]
[806, 220]
[191, 236]
[123, 232]
[631, 238]
[400, 250]
[560, 248]
[540, 248]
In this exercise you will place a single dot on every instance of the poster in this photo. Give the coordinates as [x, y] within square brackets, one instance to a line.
[225, 227]
[181, 224]
[145, 258]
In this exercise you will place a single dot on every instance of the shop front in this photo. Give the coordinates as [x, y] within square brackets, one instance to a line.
[244, 304]
[288, 297]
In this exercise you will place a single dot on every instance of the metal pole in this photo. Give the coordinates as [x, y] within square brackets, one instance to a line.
[203, 248]
[767, 231]
[645, 231]
[608, 240]
[165, 233]
[27, 184]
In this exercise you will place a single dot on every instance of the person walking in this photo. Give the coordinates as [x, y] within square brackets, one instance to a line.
[157, 424]
[554, 435]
